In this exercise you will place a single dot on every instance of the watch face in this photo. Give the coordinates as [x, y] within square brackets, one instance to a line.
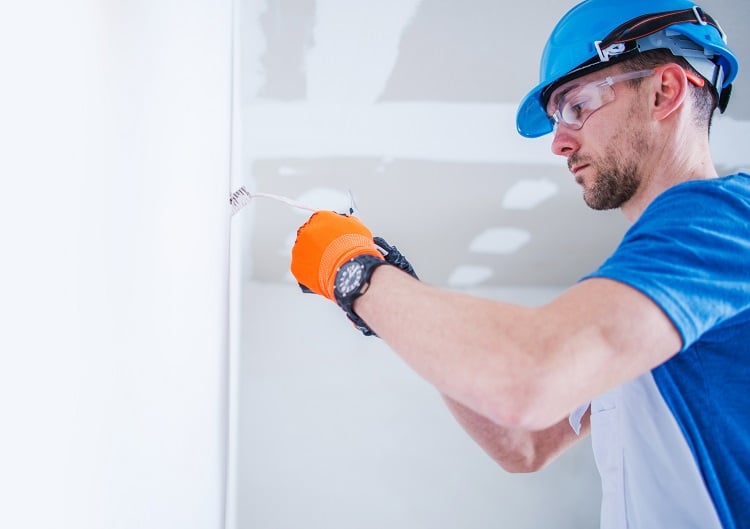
[349, 278]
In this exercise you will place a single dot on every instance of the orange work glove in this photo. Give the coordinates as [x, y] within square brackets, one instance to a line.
[325, 242]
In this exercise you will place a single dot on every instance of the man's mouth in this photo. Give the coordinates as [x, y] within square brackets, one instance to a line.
[576, 168]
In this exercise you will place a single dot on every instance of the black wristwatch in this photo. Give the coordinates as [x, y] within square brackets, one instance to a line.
[352, 280]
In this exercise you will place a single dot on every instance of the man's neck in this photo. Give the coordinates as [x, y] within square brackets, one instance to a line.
[675, 165]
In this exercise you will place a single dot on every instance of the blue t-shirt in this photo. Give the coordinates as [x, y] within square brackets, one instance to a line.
[690, 253]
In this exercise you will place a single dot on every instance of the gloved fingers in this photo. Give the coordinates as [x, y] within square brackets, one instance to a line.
[382, 245]
[325, 242]
[393, 256]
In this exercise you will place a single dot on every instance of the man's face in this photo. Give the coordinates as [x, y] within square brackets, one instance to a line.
[603, 142]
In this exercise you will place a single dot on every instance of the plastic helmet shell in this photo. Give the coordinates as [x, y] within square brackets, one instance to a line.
[572, 43]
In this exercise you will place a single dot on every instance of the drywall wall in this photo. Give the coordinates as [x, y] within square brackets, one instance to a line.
[411, 105]
[336, 432]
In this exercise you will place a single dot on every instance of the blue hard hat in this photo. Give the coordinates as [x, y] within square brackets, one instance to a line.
[597, 33]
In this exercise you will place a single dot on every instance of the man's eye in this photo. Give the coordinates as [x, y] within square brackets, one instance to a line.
[577, 108]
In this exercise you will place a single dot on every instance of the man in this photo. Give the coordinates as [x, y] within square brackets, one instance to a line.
[651, 352]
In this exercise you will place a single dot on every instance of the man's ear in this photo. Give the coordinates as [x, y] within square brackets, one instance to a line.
[670, 89]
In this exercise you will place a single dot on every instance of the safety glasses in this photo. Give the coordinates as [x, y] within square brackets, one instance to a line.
[576, 104]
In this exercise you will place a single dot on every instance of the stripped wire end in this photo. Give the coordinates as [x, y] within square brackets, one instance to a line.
[239, 199]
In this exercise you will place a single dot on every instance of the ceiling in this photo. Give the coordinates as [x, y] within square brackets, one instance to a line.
[410, 106]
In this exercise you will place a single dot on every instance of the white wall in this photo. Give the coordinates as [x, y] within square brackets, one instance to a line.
[115, 166]
[336, 432]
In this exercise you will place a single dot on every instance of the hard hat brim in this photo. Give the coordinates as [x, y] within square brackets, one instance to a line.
[532, 120]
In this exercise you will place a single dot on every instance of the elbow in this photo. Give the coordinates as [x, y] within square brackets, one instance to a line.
[527, 387]
[527, 452]
[523, 466]
[524, 407]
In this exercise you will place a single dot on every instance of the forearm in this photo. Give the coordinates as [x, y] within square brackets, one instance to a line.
[514, 449]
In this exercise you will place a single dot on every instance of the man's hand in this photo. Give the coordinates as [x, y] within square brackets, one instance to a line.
[325, 242]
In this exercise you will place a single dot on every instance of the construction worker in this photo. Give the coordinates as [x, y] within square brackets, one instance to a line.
[650, 352]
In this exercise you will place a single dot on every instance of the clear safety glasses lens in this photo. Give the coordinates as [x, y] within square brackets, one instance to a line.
[577, 104]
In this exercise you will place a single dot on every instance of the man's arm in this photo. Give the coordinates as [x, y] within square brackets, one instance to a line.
[522, 368]
[518, 450]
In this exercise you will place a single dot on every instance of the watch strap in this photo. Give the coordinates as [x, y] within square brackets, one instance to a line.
[370, 263]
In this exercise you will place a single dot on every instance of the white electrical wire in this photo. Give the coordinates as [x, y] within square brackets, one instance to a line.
[242, 198]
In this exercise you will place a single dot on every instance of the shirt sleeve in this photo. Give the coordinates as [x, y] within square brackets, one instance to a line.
[688, 253]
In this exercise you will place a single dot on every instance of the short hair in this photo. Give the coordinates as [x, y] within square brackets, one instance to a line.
[705, 98]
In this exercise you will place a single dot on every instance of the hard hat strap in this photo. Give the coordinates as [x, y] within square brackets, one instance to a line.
[620, 40]
[646, 25]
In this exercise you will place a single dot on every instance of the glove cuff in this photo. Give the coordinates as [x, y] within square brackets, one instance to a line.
[339, 251]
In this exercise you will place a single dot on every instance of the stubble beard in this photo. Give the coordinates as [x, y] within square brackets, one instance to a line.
[617, 175]
[614, 185]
